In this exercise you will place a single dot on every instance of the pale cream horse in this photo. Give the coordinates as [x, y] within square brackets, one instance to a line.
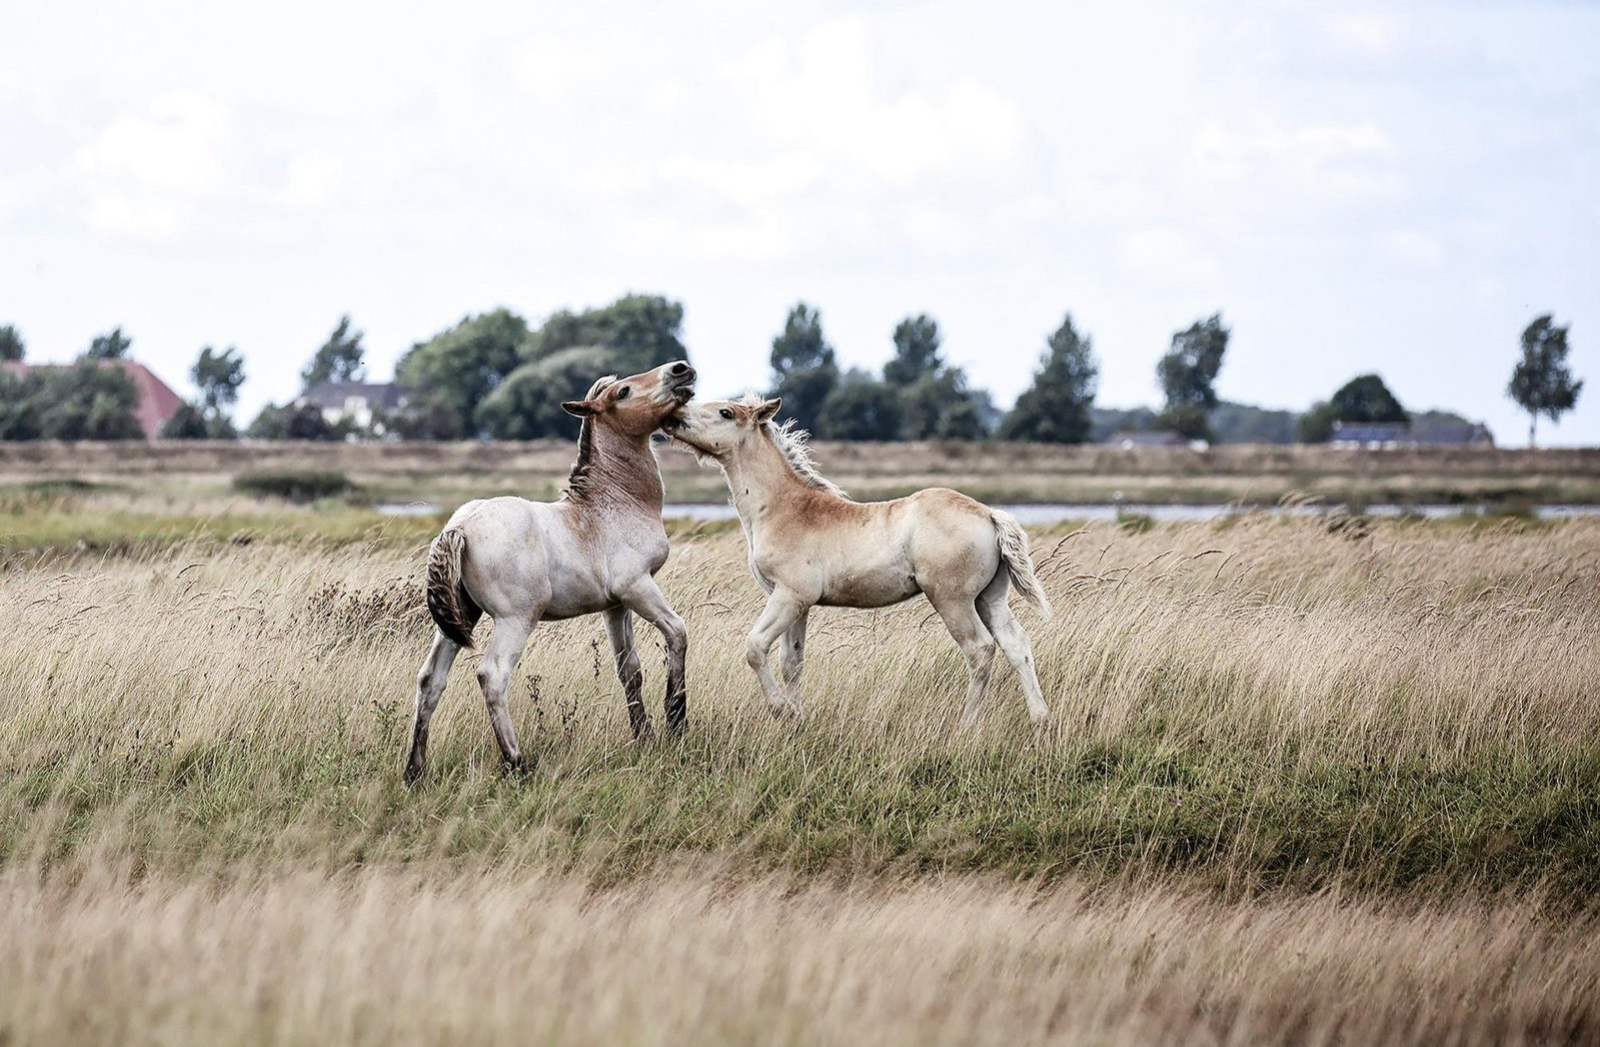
[811, 545]
[595, 551]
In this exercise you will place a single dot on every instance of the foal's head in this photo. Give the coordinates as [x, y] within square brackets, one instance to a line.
[640, 404]
[720, 428]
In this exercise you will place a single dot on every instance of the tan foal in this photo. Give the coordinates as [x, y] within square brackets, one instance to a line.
[811, 545]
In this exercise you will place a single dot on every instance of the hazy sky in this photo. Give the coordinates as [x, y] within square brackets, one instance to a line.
[1397, 187]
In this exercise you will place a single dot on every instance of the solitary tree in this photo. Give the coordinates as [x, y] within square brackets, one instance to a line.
[340, 359]
[113, 345]
[1542, 383]
[804, 367]
[1055, 409]
[218, 376]
[916, 351]
[11, 347]
[1188, 375]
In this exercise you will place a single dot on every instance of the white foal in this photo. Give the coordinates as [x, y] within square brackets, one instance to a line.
[810, 545]
[595, 551]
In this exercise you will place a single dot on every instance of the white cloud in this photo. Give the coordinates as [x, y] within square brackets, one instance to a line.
[312, 180]
[548, 68]
[1371, 33]
[174, 145]
[747, 183]
[1166, 255]
[1356, 159]
[826, 93]
[1412, 247]
[144, 172]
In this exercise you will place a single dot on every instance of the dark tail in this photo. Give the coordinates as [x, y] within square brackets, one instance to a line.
[452, 609]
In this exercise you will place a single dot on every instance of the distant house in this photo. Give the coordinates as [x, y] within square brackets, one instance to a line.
[1128, 439]
[1453, 434]
[357, 402]
[1390, 436]
[156, 404]
[1370, 436]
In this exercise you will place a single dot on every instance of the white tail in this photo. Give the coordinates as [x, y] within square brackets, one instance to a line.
[1013, 543]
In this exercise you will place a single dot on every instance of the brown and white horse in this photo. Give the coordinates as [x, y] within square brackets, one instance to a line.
[810, 545]
[595, 551]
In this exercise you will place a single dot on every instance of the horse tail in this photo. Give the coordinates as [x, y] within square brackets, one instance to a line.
[448, 602]
[1013, 543]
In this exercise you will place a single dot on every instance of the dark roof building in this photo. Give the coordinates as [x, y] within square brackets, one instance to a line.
[1391, 435]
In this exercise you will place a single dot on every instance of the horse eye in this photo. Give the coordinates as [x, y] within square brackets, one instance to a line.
[726, 414]
[622, 394]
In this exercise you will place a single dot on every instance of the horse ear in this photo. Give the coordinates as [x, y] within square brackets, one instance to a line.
[580, 408]
[765, 412]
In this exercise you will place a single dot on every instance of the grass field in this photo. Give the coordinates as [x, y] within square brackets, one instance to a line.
[1306, 781]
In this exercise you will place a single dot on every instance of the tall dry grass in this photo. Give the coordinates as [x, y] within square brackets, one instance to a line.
[422, 956]
[1303, 784]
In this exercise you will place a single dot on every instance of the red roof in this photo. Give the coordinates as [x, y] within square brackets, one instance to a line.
[157, 402]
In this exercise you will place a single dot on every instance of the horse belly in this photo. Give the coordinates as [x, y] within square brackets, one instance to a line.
[876, 586]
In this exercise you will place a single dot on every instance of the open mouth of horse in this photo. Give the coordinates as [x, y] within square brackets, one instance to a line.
[681, 391]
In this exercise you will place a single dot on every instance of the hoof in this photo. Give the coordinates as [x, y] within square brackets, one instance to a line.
[513, 767]
[413, 774]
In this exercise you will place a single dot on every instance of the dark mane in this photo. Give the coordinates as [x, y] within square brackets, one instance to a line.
[578, 480]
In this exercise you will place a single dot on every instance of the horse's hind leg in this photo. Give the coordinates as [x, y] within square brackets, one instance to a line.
[961, 618]
[996, 614]
[435, 673]
[619, 628]
[494, 676]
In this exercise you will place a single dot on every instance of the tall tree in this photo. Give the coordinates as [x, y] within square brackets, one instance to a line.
[113, 345]
[89, 402]
[940, 406]
[218, 376]
[916, 351]
[448, 376]
[1542, 383]
[1188, 374]
[642, 331]
[1055, 409]
[340, 359]
[861, 408]
[804, 367]
[527, 405]
[1364, 398]
[11, 347]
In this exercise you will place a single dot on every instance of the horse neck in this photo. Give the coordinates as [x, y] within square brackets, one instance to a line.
[763, 483]
[619, 471]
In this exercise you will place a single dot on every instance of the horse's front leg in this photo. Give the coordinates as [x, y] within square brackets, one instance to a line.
[619, 628]
[783, 610]
[644, 599]
[792, 656]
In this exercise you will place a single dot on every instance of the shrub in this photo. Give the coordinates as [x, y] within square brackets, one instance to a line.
[294, 485]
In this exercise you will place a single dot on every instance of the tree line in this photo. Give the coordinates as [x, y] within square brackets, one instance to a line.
[493, 375]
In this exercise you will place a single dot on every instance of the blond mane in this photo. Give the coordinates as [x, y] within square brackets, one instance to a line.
[793, 445]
